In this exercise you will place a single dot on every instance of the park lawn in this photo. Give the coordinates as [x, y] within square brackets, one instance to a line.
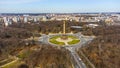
[25, 53]
[6, 61]
[55, 37]
[74, 41]
[73, 37]
[56, 42]
[13, 64]
[53, 40]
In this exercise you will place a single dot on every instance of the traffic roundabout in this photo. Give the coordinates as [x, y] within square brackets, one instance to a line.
[64, 40]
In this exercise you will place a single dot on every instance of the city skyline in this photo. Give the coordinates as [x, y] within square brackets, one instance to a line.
[58, 6]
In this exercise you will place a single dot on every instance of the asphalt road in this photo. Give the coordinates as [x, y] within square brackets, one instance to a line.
[76, 59]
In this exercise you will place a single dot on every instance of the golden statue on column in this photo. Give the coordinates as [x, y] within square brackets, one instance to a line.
[64, 28]
[64, 36]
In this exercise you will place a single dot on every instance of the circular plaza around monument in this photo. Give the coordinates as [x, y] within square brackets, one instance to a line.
[58, 40]
[64, 39]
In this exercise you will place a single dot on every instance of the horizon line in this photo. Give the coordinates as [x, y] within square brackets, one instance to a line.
[50, 12]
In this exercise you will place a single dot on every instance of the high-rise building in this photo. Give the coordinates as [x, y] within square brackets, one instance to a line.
[15, 19]
[25, 17]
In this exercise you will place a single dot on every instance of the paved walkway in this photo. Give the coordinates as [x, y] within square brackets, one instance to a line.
[16, 59]
[65, 41]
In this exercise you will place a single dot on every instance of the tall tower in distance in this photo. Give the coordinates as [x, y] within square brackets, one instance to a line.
[64, 26]
[64, 36]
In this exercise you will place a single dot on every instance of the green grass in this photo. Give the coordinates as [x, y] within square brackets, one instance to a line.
[12, 65]
[55, 37]
[53, 40]
[74, 41]
[73, 37]
[6, 61]
[56, 42]
[24, 54]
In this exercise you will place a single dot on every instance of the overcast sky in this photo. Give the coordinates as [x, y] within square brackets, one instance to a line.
[58, 6]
